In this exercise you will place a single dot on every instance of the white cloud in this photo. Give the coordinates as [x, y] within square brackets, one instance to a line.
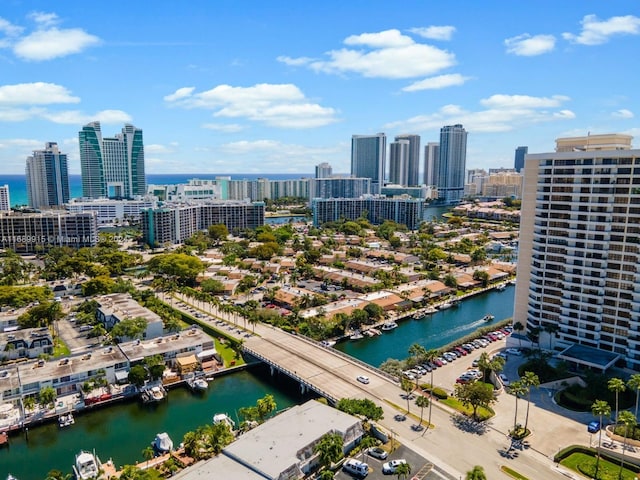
[528, 46]
[224, 127]
[44, 19]
[157, 149]
[435, 32]
[436, 83]
[294, 62]
[623, 113]
[37, 93]
[183, 92]
[523, 101]
[596, 32]
[504, 113]
[387, 54]
[76, 117]
[9, 29]
[25, 143]
[53, 43]
[276, 105]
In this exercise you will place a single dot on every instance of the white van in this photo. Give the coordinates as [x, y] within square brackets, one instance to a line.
[356, 468]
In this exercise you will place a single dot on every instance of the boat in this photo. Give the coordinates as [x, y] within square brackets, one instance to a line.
[446, 305]
[375, 331]
[368, 333]
[455, 302]
[501, 287]
[386, 326]
[197, 384]
[356, 335]
[66, 420]
[162, 443]
[225, 419]
[153, 394]
[87, 466]
[327, 343]
[11, 477]
[488, 317]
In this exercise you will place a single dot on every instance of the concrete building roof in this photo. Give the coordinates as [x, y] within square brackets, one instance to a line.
[216, 467]
[122, 306]
[278, 445]
[192, 339]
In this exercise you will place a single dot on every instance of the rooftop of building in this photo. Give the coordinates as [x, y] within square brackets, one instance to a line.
[184, 341]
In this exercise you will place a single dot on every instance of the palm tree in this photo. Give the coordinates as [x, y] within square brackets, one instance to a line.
[634, 384]
[366, 442]
[148, 454]
[407, 386]
[517, 389]
[600, 408]
[429, 357]
[329, 448]
[529, 380]
[484, 364]
[422, 402]
[403, 470]
[476, 474]
[616, 385]
[628, 419]
[550, 329]
[518, 327]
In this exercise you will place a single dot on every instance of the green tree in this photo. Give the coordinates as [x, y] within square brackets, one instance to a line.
[518, 328]
[601, 409]
[217, 437]
[627, 419]
[529, 380]
[218, 232]
[634, 384]
[329, 449]
[617, 386]
[517, 389]
[475, 395]
[132, 328]
[367, 442]
[430, 356]
[450, 281]
[477, 473]
[481, 276]
[422, 402]
[265, 406]
[403, 470]
[47, 396]
[137, 375]
[148, 454]
[179, 267]
[58, 475]
[408, 387]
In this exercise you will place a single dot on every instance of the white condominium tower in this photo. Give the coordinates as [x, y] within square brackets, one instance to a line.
[47, 177]
[579, 258]
[368, 155]
[5, 201]
[112, 167]
[451, 164]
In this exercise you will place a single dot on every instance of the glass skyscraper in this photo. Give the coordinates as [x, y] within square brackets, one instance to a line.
[112, 167]
[518, 161]
[47, 177]
[368, 155]
[452, 164]
[413, 158]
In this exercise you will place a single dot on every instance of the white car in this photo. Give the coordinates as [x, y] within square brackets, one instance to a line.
[513, 351]
[390, 467]
[363, 379]
[505, 381]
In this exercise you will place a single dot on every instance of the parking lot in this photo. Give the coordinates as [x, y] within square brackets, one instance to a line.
[420, 467]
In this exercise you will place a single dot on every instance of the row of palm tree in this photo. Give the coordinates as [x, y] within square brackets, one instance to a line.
[520, 388]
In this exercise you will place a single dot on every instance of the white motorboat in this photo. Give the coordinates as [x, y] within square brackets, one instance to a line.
[446, 305]
[356, 335]
[386, 326]
[488, 317]
[225, 419]
[501, 287]
[87, 466]
[197, 384]
[327, 343]
[162, 443]
[153, 394]
[66, 420]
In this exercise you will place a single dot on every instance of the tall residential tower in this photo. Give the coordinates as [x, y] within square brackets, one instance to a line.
[112, 167]
[413, 158]
[518, 160]
[47, 177]
[452, 164]
[399, 162]
[431, 161]
[368, 155]
[578, 275]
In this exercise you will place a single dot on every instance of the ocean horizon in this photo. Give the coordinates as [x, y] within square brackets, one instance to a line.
[18, 184]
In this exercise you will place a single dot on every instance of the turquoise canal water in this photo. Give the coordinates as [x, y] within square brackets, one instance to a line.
[121, 431]
[435, 330]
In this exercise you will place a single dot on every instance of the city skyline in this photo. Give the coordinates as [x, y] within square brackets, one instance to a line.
[219, 89]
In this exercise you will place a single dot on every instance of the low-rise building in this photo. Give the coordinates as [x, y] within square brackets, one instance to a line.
[26, 343]
[116, 307]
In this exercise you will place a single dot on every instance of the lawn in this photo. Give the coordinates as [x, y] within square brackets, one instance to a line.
[60, 348]
[586, 464]
[228, 354]
[512, 473]
[483, 413]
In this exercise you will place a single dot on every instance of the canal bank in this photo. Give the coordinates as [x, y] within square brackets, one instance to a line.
[121, 431]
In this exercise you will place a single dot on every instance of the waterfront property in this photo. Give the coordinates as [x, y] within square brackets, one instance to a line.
[116, 307]
[282, 447]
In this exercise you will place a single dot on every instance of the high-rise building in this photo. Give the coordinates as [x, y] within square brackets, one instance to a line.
[112, 167]
[324, 170]
[452, 164]
[579, 253]
[431, 161]
[368, 155]
[5, 200]
[518, 161]
[413, 158]
[339, 187]
[399, 162]
[406, 211]
[47, 177]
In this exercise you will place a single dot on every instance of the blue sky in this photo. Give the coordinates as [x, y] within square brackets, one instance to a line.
[278, 87]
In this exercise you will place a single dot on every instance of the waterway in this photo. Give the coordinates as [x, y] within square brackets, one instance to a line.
[121, 431]
[435, 330]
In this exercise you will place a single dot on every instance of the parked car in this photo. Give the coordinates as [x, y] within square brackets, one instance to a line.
[593, 427]
[377, 452]
[505, 381]
[391, 466]
[513, 351]
[356, 467]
